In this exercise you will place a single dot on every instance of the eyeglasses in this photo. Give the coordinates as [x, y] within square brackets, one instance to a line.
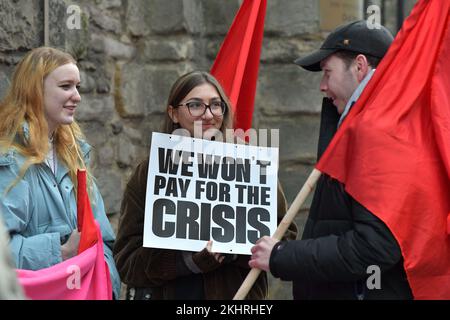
[198, 108]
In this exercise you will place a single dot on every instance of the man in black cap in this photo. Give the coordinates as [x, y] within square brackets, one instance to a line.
[346, 252]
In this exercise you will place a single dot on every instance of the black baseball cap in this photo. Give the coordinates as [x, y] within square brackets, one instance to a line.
[355, 36]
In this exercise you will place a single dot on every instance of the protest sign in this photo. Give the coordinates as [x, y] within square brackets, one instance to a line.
[200, 190]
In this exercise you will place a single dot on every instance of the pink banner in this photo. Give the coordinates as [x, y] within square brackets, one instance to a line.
[83, 277]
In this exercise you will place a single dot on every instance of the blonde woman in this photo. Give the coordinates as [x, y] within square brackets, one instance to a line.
[42, 147]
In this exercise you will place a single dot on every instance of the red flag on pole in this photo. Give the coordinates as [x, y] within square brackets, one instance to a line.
[392, 152]
[85, 217]
[237, 63]
[83, 277]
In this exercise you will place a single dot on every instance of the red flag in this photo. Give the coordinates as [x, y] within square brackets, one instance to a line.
[392, 152]
[85, 217]
[237, 63]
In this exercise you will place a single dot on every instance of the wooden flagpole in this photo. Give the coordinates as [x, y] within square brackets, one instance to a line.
[282, 228]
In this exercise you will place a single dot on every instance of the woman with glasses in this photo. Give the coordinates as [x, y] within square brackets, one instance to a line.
[197, 105]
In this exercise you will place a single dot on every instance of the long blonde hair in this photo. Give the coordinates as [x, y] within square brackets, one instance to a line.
[24, 104]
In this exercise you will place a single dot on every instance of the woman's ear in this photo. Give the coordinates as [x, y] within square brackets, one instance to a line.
[173, 114]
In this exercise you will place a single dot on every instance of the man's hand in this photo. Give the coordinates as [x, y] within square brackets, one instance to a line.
[261, 253]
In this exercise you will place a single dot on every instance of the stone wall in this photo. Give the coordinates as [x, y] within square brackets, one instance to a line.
[131, 51]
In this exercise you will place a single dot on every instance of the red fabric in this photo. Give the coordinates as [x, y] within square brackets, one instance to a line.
[237, 63]
[86, 222]
[392, 152]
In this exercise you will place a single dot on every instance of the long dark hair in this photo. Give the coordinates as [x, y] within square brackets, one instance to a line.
[181, 88]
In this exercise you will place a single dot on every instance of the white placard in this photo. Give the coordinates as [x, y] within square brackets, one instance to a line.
[200, 190]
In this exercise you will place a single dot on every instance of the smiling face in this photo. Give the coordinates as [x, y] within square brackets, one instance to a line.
[61, 95]
[339, 81]
[206, 93]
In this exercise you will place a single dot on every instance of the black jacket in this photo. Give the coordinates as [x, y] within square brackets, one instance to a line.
[341, 241]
